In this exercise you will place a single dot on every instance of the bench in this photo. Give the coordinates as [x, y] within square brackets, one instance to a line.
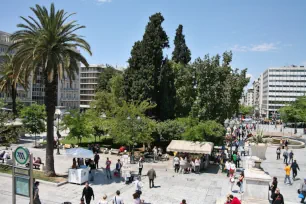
[67, 146]
[114, 151]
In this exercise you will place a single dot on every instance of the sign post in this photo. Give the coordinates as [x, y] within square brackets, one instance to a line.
[22, 177]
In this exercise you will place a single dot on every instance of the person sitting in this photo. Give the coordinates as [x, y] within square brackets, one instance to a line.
[37, 161]
[2, 154]
[6, 156]
[121, 149]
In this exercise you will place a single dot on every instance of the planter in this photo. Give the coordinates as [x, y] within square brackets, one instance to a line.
[259, 150]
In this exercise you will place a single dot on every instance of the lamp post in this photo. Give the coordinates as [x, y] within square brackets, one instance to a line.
[133, 137]
[58, 115]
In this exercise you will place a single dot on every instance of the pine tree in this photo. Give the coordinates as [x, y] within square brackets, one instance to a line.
[181, 53]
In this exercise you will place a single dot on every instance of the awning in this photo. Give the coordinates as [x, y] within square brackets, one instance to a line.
[79, 153]
[190, 147]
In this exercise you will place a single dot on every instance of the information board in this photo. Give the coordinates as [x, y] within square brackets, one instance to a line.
[22, 186]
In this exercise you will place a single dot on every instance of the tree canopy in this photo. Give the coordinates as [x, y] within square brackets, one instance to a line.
[181, 53]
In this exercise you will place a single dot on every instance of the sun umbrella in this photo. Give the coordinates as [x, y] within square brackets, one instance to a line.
[79, 153]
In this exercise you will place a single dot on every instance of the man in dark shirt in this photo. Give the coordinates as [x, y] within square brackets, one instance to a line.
[294, 167]
[278, 198]
[96, 159]
[152, 175]
[88, 193]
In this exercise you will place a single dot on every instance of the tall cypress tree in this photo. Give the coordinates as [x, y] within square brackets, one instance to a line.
[141, 77]
[167, 91]
[181, 53]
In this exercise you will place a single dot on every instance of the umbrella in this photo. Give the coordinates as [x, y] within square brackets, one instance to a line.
[79, 153]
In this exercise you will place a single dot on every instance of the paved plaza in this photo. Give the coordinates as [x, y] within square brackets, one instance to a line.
[170, 188]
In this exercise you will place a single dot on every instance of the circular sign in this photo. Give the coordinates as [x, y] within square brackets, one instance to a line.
[21, 155]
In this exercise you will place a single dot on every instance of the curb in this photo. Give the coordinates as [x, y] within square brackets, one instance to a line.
[40, 181]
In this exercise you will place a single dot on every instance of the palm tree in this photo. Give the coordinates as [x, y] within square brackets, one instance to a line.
[48, 44]
[11, 75]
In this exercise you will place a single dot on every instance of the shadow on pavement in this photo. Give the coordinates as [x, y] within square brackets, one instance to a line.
[212, 169]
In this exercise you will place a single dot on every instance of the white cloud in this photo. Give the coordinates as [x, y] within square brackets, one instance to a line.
[104, 1]
[249, 76]
[264, 47]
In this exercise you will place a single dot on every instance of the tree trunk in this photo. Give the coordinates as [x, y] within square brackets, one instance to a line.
[14, 96]
[50, 102]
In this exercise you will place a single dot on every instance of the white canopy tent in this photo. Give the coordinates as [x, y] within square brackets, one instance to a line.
[190, 147]
[79, 153]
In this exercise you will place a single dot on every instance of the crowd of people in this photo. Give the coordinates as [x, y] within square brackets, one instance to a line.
[185, 163]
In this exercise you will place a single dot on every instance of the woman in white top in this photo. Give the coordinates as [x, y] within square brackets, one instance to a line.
[197, 165]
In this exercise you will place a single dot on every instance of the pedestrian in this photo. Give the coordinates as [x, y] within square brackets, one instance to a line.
[197, 165]
[92, 170]
[183, 201]
[227, 167]
[286, 143]
[88, 193]
[138, 186]
[278, 152]
[232, 181]
[140, 166]
[176, 163]
[152, 175]
[303, 190]
[238, 160]
[278, 197]
[36, 199]
[285, 155]
[294, 167]
[235, 158]
[117, 199]
[154, 153]
[273, 186]
[287, 170]
[103, 200]
[241, 180]
[291, 156]
[108, 172]
[232, 170]
[96, 159]
[235, 200]
[82, 201]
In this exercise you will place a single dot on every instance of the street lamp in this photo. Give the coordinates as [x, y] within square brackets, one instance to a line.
[58, 115]
[133, 137]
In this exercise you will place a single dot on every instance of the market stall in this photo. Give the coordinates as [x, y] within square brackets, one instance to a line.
[203, 148]
[80, 174]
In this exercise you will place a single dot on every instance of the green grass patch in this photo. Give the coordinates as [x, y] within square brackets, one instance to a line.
[37, 174]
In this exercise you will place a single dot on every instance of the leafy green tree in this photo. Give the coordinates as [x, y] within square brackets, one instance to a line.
[294, 112]
[117, 88]
[185, 89]
[47, 44]
[246, 110]
[181, 53]
[209, 131]
[33, 119]
[167, 92]
[104, 78]
[142, 76]
[9, 131]
[170, 130]
[11, 76]
[78, 125]
[130, 124]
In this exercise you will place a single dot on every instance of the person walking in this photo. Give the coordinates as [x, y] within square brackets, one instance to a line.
[241, 180]
[183, 201]
[138, 186]
[103, 200]
[197, 165]
[278, 198]
[117, 199]
[273, 186]
[108, 172]
[235, 159]
[118, 167]
[152, 175]
[96, 159]
[154, 154]
[287, 176]
[294, 167]
[140, 166]
[285, 155]
[291, 156]
[36, 199]
[92, 170]
[227, 167]
[278, 152]
[88, 193]
[238, 160]
[176, 163]
[303, 190]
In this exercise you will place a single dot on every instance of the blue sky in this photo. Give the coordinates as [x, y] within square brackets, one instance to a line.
[260, 33]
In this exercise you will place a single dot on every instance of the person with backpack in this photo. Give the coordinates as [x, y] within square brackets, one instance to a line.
[285, 155]
[278, 198]
[302, 190]
[294, 167]
[117, 199]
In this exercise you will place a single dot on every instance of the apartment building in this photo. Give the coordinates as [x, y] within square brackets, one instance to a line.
[88, 83]
[68, 92]
[249, 97]
[281, 86]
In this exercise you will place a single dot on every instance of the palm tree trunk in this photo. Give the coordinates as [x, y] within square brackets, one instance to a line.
[50, 102]
[14, 96]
